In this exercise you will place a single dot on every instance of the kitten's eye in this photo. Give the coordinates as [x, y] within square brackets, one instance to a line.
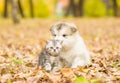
[54, 35]
[64, 35]
[51, 47]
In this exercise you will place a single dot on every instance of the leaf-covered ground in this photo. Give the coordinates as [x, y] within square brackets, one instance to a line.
[21, 44]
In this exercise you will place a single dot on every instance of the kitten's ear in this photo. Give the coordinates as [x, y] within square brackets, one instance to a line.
[47, 41]
[59, 41]
[51, 28]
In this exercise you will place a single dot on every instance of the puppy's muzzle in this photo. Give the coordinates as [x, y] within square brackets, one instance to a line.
[58, 38]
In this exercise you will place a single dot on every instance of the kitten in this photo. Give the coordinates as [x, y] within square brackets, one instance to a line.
[49, 57]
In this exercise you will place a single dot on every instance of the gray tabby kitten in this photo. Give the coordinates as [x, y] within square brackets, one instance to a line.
[49, 57]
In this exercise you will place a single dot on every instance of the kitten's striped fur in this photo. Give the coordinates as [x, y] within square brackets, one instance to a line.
[49, 57]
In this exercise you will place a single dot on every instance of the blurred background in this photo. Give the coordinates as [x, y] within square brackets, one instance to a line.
[25, 28]
[17, 9]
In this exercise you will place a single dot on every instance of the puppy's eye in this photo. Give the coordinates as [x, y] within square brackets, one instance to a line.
[57, 47]
[64, 35]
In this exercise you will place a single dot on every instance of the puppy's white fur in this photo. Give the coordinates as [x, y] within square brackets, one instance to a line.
[74, 50]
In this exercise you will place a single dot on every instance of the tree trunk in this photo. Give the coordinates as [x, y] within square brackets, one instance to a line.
[81, 3]
[6, 9]
[31, 8]
[14, 11]
[108, 6]
[115, 7]
[71, 9]
[20, 8]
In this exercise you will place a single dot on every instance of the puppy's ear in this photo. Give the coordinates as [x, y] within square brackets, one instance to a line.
[73, 29]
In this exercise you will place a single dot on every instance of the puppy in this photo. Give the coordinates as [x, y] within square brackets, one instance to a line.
[74, 50]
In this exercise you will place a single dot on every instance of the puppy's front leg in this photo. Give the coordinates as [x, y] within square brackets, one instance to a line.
[78, 62]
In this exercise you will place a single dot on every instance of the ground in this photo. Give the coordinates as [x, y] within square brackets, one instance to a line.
[21, 44]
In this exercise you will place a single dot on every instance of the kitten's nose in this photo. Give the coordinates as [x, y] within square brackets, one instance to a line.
[54, 50]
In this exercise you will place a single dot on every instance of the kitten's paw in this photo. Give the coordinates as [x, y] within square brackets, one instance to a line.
[48, 67]
[55, 69]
